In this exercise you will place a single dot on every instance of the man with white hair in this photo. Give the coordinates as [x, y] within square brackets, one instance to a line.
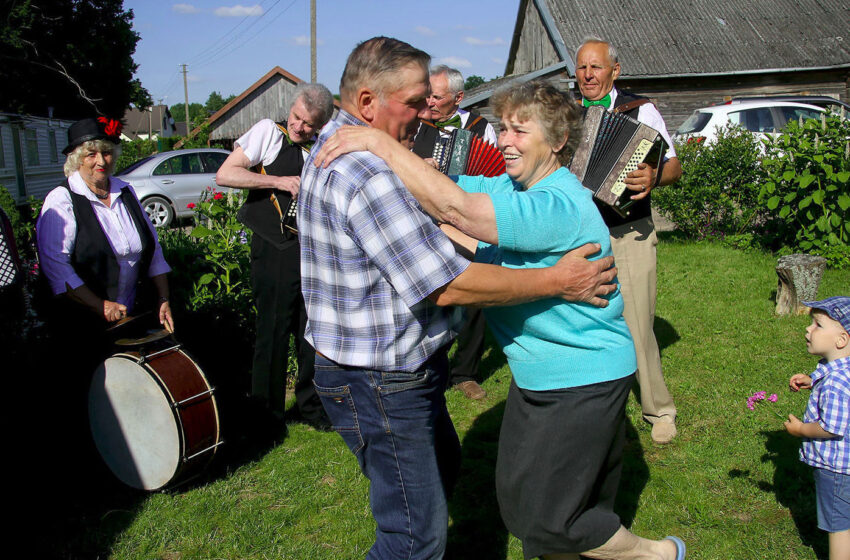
[267, 161]
[633, 238]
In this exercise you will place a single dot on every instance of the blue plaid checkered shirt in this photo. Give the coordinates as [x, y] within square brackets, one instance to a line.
[369, 259]
[829, 406]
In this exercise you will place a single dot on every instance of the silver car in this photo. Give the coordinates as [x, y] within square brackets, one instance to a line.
[167, 182]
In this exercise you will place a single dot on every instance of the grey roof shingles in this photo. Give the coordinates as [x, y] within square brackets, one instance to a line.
[677, 37]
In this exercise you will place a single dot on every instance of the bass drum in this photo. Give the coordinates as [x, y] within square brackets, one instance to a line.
[153, 417]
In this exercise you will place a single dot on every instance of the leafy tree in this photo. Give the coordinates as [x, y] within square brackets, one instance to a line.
[473, 81]
[215, 102]
[197, 113]
[73, 55]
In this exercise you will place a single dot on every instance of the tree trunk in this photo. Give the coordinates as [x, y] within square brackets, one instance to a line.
[799, 278]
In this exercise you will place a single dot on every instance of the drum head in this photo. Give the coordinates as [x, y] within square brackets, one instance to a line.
[133, 425]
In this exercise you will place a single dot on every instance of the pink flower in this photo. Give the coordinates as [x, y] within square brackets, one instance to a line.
[190, 206]
[218, 196]
[759, 396]
[209, 188]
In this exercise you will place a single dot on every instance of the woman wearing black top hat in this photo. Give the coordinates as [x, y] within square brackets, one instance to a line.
[96, 244]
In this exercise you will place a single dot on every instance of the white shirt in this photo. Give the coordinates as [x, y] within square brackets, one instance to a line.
[489, 132]
[56, 231]
[262, 142]
[648, 114]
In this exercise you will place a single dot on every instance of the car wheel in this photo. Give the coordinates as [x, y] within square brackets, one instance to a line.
[159, 211]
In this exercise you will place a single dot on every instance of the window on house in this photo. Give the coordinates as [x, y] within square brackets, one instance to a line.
[31, 140]
[2, 152]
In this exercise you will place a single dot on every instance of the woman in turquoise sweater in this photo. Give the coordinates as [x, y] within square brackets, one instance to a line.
[560, 447]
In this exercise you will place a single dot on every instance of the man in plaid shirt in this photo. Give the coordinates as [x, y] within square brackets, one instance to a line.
[826, 423]
[379, 279]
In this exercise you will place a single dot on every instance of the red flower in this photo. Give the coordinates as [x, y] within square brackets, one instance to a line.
[190, 206]
[112, 127]
[218, 196]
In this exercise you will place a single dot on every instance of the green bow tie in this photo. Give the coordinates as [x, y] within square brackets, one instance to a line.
[605, 101]
[454, 121]
[306, 146]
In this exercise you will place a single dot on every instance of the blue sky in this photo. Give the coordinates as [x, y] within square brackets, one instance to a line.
[227, 46]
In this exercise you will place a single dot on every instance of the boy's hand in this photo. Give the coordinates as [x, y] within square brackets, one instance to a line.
[800, 381]
[793, 425]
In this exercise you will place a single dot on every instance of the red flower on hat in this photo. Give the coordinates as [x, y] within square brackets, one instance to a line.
[111, 126]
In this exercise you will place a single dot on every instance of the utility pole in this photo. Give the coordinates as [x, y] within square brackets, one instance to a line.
[313, 41]
[186, 103]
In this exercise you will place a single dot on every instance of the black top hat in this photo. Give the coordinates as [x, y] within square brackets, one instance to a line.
[100, 128]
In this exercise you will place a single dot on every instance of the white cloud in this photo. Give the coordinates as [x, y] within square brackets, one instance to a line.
[455, 62]
[239, 11]
[426, 31]
[185, 9]
[304, 41]
[484, 42]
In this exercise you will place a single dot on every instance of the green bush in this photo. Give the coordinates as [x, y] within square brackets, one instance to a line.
[717, 195]
[807, 188]
[23, 225]
[134, 150]
[211, 265]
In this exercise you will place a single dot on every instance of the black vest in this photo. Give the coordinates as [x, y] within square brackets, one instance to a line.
[641, 208]
[258, 212]
[423, 144]
[93, 258]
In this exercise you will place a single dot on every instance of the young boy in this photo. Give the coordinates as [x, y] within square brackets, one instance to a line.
[824, 428]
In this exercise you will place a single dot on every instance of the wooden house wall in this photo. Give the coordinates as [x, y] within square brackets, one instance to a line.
[677, 98]
[534, 50]
[39, 179]
[269, 101]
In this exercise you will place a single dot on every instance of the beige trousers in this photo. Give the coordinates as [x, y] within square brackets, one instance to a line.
[633, 245]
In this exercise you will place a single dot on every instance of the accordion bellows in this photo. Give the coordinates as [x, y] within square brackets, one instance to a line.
[465, 153]
[611, 147]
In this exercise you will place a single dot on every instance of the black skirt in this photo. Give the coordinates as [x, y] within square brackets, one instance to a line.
[559, 465]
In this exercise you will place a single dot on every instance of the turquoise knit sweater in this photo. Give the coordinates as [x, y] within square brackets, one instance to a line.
[552, 343]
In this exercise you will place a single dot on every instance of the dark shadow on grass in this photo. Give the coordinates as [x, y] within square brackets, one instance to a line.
[794, 488]
[665, 333]
[224, 354]
[477, 530]
[71, 502]
[494, 359]
[634, 478]
[672, 236]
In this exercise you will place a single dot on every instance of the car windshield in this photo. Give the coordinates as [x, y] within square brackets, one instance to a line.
[133, 166]
[695, 123]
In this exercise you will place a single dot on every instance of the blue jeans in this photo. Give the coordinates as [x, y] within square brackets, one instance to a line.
[398, 427]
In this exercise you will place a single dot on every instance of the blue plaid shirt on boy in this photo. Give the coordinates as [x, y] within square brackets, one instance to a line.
[369, 259]
[829, 406]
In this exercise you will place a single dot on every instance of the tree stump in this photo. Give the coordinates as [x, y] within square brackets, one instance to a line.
[799, 278]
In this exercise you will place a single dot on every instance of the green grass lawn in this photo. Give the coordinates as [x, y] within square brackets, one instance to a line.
[730, 485]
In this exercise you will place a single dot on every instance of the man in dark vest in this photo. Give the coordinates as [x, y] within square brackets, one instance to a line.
[267, 161]
[446, 115]
[633, 238]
